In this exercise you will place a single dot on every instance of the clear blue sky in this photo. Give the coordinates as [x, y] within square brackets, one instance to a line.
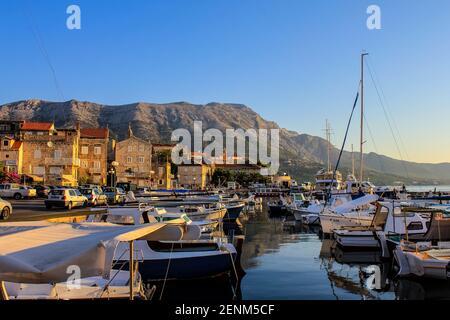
[295, 62]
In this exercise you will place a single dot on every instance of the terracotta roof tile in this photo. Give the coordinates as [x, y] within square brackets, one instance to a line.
[95, 133]
[16, 145]
[37, 126]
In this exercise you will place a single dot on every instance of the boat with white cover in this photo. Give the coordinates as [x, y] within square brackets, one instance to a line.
[36, 257]
[165, 259]
[358, 212]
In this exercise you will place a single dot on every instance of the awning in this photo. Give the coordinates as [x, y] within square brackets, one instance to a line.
[41, 252]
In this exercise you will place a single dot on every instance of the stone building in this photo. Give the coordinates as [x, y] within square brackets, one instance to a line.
[50, 155]
[10, 129]
[194, 176]
[11, 155]
[161, 162]
[93, 154]
[133, 156]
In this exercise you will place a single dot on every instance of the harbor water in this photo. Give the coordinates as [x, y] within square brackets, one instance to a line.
[285, 260]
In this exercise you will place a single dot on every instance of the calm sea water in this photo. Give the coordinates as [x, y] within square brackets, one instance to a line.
[285, 260]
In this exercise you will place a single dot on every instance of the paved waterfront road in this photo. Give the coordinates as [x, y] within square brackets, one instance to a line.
[27, 210]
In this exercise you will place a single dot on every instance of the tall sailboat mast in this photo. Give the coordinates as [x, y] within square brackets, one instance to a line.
[353, 162]
[361, 173]
[328, 135]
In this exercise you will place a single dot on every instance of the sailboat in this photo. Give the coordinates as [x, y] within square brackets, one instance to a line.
[326, 179]
[359, 212]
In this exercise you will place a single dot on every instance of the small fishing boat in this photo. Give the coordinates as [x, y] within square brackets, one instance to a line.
[233, 211]
[200, 212]
[388, 220]
[166, 259]
[354, 213]
[423, 260]
[279, 207]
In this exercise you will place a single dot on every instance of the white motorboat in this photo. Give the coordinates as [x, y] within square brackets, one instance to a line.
[316, 207]
[388, 220]
[358, 212]
[200, 212]
[161, 215]
[165, 259]
[423, 260]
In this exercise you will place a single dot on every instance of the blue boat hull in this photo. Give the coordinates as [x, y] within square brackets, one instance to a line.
[184, 268]
[233, 213]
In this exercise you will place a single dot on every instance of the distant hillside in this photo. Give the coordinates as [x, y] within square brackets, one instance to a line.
[301, 154]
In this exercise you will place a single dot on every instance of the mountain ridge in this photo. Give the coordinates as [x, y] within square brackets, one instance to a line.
[300, 153]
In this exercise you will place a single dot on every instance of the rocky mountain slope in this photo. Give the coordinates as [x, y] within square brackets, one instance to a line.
[301, 154]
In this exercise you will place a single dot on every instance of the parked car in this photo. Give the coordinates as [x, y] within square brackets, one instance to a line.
[94, 196]
[5, 209]
[42, 191]
[65, 198]
[91, 186]
[115, 195]
[12, 190]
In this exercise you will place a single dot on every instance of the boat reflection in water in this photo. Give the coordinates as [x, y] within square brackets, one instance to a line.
[284, 259]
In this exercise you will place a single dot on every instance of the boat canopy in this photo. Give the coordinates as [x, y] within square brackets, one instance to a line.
[359, 202]
[41, 251]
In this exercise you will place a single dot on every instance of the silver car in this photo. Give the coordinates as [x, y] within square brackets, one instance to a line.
[5, 209]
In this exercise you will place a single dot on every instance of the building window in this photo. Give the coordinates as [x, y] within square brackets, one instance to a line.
[96, 164]
[39, 170]
[129, 159]
[141, 159]
[5, 143]
[84, 149]
[57, 154]
[55, 170]
[130, 148]
[97, 150]
[141, 148]
[84, 164]
[37, 153]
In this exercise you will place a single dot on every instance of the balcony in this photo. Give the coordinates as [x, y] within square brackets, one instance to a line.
[63, 162]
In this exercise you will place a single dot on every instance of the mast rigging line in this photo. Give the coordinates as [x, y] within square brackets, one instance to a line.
[388, 109]
[342, 149]
[373, 142]
[387, 120]
[42, 48]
